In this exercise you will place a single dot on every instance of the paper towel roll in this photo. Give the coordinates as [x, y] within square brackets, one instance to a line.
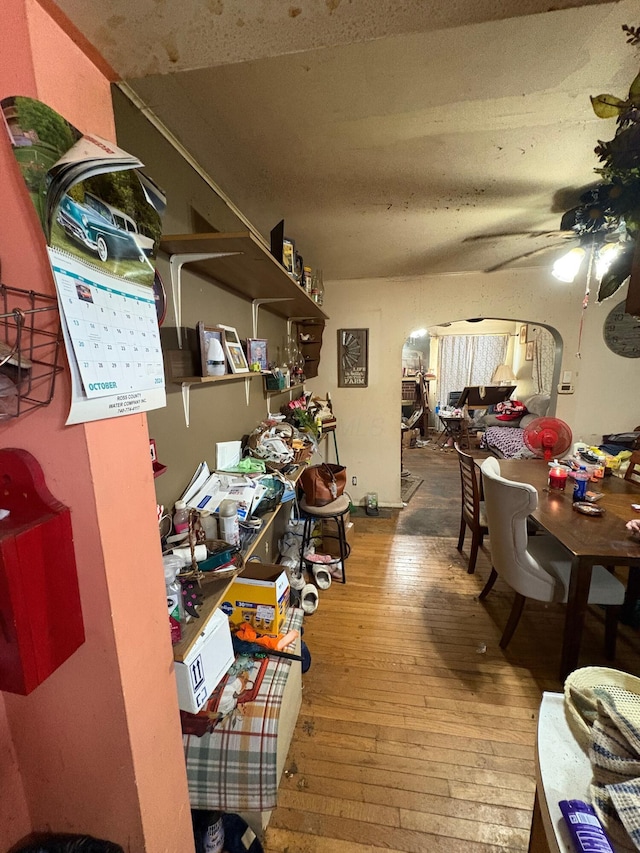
[184, 554]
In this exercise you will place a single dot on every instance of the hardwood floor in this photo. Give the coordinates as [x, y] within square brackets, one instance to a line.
[417, 732]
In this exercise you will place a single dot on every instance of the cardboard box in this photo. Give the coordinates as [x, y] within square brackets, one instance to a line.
[260, 596]
[332, 546]
[203, 668]
[409, 437]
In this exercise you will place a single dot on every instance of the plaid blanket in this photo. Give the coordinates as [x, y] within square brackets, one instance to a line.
[234, 768]
[614, 752]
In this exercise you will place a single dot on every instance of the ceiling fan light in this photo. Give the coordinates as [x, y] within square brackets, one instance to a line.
[567, 267]
[606, 256]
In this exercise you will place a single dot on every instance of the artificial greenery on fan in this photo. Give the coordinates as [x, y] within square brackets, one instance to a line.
[614, 205]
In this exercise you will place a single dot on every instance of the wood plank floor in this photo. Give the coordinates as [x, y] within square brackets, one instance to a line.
[417, 732]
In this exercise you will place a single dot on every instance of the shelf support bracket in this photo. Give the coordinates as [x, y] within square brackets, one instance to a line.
[176, 262]
[255, 307]
[292, 320]
[185, 402]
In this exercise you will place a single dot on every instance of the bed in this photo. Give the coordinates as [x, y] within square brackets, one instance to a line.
[505, 438]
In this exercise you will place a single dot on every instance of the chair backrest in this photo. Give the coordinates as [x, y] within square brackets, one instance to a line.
[633, 471]
[508, 504]
[470, 487]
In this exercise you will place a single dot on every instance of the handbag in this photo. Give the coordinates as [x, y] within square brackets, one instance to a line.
[324, 483]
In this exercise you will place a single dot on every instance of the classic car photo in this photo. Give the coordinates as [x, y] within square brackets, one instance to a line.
[103, 229]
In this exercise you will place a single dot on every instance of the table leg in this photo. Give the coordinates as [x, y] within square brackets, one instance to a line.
[577, 600]
[537, 838]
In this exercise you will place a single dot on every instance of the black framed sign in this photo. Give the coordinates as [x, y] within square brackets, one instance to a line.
[353, 358]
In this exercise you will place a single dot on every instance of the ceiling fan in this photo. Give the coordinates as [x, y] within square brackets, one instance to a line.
[589, 226]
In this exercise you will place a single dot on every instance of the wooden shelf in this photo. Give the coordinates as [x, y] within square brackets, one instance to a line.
[213, 594]
[205, 380]
[271, 392]
[245, 267]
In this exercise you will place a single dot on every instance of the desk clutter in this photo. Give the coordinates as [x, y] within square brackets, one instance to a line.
[235, 621]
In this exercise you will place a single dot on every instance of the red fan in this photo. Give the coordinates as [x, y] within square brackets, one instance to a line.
[548, 437]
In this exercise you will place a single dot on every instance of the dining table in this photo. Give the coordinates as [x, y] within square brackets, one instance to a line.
[589, 539]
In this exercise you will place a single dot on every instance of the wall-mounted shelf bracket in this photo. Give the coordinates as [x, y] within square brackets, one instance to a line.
[255, 307]
[186, 387]
[292, 320]
[176, 262]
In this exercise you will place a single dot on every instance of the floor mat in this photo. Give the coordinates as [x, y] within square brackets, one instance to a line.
[410, 486]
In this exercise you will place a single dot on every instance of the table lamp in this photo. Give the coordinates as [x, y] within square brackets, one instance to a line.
[503, 375]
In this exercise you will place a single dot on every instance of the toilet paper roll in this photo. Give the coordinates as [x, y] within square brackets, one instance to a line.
[184, 554]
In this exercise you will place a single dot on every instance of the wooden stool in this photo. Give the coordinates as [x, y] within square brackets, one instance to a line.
[334, 511]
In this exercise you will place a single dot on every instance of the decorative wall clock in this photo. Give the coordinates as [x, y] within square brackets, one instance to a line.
[621, 332]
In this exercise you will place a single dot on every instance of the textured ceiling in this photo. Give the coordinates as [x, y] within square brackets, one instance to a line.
[389, 136]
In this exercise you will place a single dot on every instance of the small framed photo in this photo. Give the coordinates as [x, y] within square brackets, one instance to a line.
[234, 351]
[530, 350]
[257, 352]
[205, 335]
[523, 334]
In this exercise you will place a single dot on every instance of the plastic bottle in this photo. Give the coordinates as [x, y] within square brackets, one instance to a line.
[581, 478]
[437, 407]
[208, 831]
[209, 524]
[180, 517]
[228, 522]
[172, 566]
[600, 468]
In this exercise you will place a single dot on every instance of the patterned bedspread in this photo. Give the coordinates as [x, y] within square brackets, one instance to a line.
[234, 768]
[506, 442]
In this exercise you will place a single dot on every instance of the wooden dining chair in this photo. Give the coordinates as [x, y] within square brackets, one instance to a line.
[472, 514]
[535, 567]
[633, 471]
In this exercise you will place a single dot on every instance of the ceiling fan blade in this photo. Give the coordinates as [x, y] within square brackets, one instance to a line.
[530, 254]
[569, 235]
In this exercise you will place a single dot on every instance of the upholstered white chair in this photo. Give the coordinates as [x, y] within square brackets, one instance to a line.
[537, 567]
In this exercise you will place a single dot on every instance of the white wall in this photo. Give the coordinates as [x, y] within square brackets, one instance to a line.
[606, 386]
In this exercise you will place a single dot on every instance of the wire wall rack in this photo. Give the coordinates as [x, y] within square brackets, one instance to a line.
[30, 341]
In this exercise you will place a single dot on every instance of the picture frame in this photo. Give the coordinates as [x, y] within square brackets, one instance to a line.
[523, 334]
[529, 351]
[257, 353]
[353, 358]
[205, 333]
[233, 349]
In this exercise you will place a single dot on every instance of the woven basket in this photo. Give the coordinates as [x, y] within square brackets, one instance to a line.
[581, 690]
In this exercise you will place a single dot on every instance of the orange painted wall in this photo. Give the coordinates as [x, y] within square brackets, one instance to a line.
[96, 748]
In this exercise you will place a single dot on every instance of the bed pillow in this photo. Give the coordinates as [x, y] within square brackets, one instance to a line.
[538, 404]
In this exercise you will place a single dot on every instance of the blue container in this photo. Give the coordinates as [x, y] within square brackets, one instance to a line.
[581, 478]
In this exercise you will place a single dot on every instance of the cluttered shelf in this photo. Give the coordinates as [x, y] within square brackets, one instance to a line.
[270, 392]
[213, 591]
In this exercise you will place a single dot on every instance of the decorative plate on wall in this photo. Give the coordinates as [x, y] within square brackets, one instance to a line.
[621, 332]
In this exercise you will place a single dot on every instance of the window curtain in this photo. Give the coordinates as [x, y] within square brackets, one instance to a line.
[544, 355]
[467, 360]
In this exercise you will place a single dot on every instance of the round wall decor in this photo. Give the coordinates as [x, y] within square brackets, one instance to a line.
[621, 332]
